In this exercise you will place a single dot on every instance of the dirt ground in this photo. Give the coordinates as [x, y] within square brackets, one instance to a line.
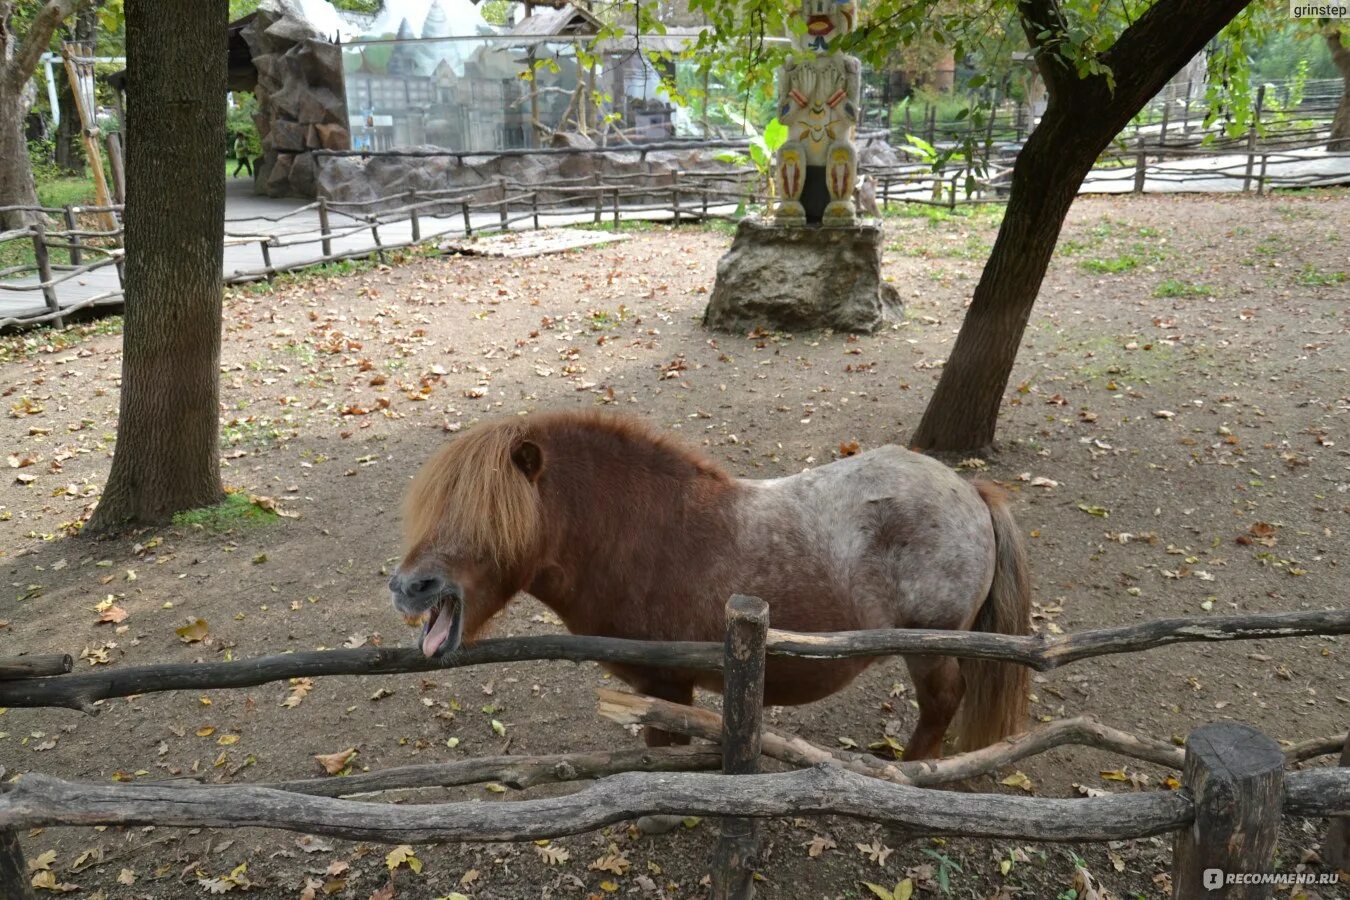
[1175, 435]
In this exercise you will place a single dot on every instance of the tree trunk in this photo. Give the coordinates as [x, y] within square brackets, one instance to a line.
[16, 174]
[1340, 125]
[1082, 117]
[167, 456]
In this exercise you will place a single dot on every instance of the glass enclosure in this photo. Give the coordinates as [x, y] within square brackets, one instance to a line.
[476, 94]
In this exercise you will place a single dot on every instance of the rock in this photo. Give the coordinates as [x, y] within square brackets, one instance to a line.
[571, 139]
[802, 279]
[320, 105]
[285, 136]
[279, 175]
[304, 175]
[334, 137]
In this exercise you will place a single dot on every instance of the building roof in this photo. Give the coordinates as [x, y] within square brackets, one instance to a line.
[566, 19]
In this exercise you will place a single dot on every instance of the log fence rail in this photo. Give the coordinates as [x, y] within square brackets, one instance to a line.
[1234, 789]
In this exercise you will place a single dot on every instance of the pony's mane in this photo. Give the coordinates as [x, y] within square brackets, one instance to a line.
[472, 493]
[543, 426]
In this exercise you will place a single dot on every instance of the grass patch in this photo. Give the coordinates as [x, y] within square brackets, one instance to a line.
[1111, 266]
[49, 339]
[1175, 287]
[988, 214]
[237, 511]
[1311, 276]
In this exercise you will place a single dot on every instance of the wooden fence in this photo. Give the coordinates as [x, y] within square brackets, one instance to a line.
[1226, 815]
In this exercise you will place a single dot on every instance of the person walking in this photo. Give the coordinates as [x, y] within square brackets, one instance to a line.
[241, 155]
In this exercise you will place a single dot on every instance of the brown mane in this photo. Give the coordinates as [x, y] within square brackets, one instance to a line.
[472, 494]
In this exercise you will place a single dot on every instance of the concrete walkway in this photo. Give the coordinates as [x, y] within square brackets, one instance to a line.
[293, 229]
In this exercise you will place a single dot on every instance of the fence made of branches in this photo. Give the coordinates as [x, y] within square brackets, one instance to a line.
[1236, 783]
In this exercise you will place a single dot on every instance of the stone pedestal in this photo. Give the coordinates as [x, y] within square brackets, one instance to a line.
[802, 279]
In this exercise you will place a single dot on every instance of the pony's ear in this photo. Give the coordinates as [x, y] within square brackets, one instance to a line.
[529, 459]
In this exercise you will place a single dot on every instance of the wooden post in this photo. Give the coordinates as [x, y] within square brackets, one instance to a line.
[886, 191]
[616, 210]
[599, 199]
[44, 267]
[534, 207]
[504, 210]
[267, 259]
[14, 883]
[412, 216]
[375, 233]
[1336, 848]
[119, 172]
[324, 230]
[80, 73]
[1261, 176]
[951, 198]
[1140, 170]
[742, 723]
[1251, 138]
[468, 224]
[675, 196]
[76, 254]
[1236, 776]
[1162, 135]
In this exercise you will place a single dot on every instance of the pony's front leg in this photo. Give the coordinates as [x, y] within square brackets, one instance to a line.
[938, 687]
[673, 692]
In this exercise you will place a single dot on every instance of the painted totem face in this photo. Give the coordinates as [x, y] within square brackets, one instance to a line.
[826, 22]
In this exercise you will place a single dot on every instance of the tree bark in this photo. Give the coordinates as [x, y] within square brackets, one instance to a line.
[19, 56]
[1082, 116]
[167, 456]
[1340, 124]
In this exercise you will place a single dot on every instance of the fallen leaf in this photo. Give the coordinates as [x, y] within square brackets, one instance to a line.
[333, 763]
[403, 855]
[192, 632]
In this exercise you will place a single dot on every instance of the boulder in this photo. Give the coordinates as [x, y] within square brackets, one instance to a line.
[279, 176]
[285, 136]
[802, 279]
[303, 175]
[334, 137]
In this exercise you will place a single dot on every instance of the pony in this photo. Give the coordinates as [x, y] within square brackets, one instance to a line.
[624, 532]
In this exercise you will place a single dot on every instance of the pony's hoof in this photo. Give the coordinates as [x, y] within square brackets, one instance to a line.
[659, 824]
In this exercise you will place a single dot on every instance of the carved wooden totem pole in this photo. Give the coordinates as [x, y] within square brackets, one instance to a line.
[818, 100]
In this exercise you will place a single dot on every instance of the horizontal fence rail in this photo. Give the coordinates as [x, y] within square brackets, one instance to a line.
[1037, 651]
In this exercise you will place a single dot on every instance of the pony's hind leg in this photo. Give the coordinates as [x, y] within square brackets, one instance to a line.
[938, 687]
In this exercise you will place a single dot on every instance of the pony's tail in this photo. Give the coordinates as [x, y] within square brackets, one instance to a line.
[995, 701]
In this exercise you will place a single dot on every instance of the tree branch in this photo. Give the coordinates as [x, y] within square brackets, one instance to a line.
[39, 800]
[517, 772]
[1044, 25]
[634, 709]
[1040, 652]
[33, 44]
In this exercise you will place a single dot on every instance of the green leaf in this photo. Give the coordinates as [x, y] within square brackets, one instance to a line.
[775, 134]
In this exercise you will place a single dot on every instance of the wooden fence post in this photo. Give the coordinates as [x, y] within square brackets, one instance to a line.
[599, 199]
[504, 211]
[267, 259]
[1236, 776]
[1166, 114]
[412, 216]
[1261, 176]
[1140, 171]
[1251, 138]
[76, 255]
[468, 223]
[119, 175]
[323, 228]
[1336, 848]
[675, 197]
[534, 207]
[44, 267]
[742, 722]
[616, 209]
[14, 883]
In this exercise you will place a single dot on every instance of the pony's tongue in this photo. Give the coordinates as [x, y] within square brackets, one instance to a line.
[438, 633]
